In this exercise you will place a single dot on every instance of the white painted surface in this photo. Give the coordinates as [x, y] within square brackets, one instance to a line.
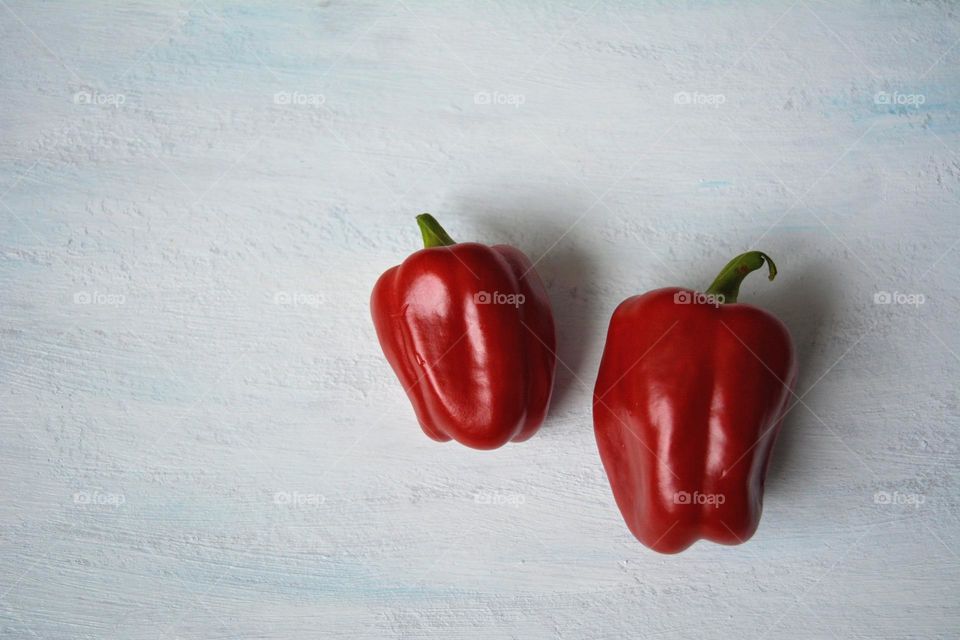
[182, 399]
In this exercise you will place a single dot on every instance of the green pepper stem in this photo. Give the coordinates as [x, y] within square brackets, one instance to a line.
[727, 284]
[433, 233]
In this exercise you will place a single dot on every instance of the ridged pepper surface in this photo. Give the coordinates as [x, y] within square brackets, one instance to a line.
[688, 402]
[469, 332]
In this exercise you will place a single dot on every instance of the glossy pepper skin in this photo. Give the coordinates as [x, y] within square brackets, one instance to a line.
[469, 332]
[688, 402]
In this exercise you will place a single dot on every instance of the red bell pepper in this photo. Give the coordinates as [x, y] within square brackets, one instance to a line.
[469, 332]
[690, 396]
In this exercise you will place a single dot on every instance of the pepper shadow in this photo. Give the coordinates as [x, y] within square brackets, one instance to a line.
[805, 305]
[542, 231]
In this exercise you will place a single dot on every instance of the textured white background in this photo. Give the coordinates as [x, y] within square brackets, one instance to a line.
[185, 330]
